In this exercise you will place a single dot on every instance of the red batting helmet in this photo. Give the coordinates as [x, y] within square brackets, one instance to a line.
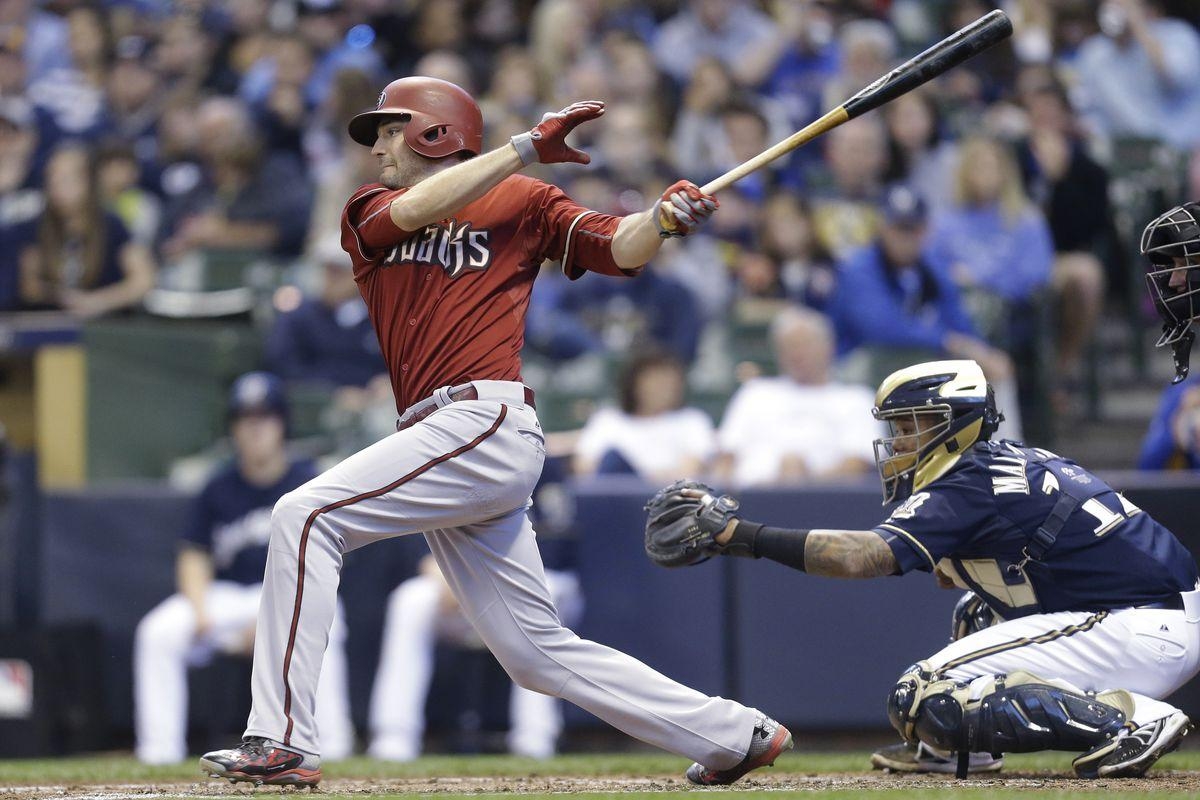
[442, 118]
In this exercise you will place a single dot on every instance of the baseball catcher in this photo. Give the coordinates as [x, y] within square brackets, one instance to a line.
[1087, 647]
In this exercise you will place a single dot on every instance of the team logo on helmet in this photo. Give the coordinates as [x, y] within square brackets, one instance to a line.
[382, 97]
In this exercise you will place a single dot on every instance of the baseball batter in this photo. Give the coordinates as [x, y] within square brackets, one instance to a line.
[1100, 602]
[445, 249]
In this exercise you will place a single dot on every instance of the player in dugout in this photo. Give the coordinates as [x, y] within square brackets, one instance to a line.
[1100, 603]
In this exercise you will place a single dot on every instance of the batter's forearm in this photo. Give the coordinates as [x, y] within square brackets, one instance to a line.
[636, 240]
[445, 193]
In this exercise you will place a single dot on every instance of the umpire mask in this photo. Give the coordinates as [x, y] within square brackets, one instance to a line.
[1171, 243]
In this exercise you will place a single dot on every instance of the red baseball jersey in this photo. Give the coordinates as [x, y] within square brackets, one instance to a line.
[448, 302]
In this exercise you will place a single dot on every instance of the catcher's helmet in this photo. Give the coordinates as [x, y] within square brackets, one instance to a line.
[953, 393]
[257, 393]
[443, 119]
[1172, 244]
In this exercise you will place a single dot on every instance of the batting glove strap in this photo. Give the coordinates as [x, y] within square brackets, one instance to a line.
[523, 142]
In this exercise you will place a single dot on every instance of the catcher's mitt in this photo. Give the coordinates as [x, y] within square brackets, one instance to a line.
[683, 520]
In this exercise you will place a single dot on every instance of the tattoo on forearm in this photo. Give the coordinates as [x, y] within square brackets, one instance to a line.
[848, 554]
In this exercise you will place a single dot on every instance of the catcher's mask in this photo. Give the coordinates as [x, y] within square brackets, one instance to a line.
[934, 412]
[1171, 243]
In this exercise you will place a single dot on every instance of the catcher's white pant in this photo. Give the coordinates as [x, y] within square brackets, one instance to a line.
[463, 477]
[1149, 652]
[165, 645]
[417, 618]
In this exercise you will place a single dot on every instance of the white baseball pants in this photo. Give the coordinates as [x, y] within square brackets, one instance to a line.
[1148, 652]
[463, 477]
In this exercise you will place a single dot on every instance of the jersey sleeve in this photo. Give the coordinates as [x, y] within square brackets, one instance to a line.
[936, 521]
[367, 226]
[579, 238]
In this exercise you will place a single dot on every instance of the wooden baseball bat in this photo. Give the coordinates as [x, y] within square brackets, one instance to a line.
[950, 52]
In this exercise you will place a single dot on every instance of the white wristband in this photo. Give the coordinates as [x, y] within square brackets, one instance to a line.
[523, 142]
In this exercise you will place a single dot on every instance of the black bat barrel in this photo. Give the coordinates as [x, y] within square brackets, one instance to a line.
[950, 52]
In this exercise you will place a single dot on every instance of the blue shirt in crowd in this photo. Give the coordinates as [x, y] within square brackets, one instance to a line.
[1009, 258]
[873, 304]
[1159, 448]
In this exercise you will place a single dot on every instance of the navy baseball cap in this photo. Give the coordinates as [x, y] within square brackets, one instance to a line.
[902, 206]
[257, 393]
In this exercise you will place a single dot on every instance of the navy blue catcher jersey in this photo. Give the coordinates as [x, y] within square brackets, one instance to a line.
[975, 524]
[232, 520]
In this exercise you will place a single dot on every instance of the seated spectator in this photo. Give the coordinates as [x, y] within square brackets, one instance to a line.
[327, 339]
[652, 434]
[695, 145]
[74, 97]
[1138, 74]
[658, 309]
[219, 573]
[868, 49]
[552, 328]
[786, 234]
[800, 426]
[801, 61]
[247, 200]
[1072, 190]
[729, 30]
[843, 201]
[893, 306]
[79, 257]
[135, 96]
[21, 198]
[119, 174]
[421, 613]
[921, 158]
[995, 243]
[1173, 440]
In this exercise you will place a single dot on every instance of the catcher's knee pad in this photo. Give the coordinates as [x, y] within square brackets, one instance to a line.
[905, 699]
[1016, 713]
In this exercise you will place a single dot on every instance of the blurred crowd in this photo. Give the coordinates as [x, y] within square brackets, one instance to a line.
[148, 147]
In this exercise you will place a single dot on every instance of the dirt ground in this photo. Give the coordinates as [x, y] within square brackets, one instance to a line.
[1165, 781]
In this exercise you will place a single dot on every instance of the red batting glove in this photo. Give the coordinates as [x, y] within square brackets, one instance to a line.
[546, 143]
[682, 209]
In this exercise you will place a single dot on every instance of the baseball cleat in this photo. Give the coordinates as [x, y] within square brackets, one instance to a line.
[1130, 755]
[921, 759]
[257, 760]
[766, 743]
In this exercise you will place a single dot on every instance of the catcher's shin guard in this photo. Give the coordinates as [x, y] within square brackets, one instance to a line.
[1016, 713]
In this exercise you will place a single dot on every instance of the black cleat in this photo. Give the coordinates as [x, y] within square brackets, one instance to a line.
[1129, 756]
[258, 761]
[766, 743]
